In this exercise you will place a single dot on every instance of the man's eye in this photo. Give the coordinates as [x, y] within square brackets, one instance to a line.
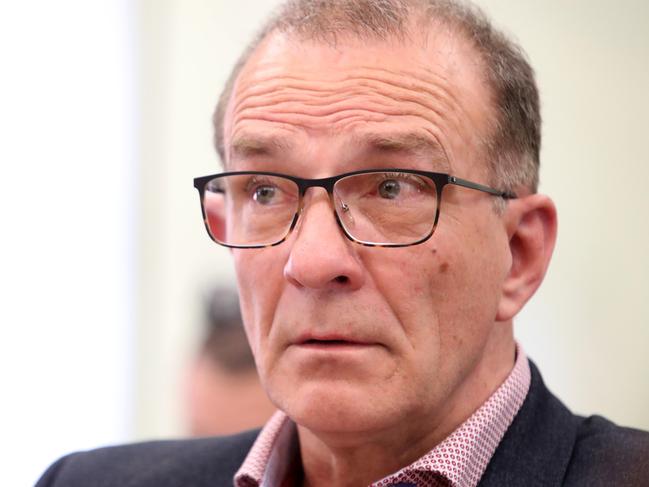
[264, 194]
[389, 189]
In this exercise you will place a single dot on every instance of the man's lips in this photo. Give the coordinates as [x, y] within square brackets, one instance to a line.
[331, 341]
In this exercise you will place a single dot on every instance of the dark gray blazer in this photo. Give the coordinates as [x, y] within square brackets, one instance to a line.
[546, 445]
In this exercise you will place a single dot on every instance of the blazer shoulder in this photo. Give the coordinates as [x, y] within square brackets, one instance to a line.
[608, 454]
[195, 462]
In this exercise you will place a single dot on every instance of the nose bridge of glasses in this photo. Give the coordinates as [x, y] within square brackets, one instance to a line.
[313, 196]
[316, 192]
[325, 183]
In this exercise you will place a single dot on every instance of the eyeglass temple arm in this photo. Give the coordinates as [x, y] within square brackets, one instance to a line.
[508, 195]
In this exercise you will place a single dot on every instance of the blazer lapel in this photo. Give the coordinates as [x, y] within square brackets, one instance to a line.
[537, 447]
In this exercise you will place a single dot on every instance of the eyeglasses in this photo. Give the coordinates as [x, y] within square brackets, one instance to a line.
[374, 207]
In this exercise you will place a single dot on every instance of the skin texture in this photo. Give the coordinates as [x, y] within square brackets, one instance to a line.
[426, 331]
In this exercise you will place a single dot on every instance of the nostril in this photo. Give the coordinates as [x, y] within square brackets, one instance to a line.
[342, 279]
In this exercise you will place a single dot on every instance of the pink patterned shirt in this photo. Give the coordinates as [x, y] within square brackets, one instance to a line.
[458, 461]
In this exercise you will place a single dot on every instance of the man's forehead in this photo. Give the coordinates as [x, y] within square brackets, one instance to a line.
[285, 79]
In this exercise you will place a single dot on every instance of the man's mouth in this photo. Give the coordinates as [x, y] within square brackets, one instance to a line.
[331, 343]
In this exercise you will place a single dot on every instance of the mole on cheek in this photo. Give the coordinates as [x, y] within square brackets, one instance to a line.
[443, 268]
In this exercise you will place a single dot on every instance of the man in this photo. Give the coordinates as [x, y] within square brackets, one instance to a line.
[380, 200]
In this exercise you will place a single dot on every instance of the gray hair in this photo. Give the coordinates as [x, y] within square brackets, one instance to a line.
[514, 140]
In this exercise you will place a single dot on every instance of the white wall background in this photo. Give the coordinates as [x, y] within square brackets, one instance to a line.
[109, 103]
[67, 199]
[588, 328]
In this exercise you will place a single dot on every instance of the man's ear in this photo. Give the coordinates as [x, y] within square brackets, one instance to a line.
[531, 224]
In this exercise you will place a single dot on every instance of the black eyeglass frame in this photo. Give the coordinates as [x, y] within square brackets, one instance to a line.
[440, 179]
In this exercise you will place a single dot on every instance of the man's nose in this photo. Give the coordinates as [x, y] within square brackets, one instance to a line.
[321, 256]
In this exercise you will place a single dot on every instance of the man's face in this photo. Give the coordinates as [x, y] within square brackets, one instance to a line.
[346, 337]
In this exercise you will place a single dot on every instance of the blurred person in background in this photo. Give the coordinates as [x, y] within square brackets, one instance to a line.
[380, 200]
[223, 394]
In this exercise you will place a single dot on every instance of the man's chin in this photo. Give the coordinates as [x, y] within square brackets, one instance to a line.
[336, 407]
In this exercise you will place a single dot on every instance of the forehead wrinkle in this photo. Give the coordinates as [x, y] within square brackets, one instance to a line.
[335, 107]
[258, 79]
[272, 90]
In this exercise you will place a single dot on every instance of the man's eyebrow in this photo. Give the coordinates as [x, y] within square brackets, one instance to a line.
[408, 142]
[245, 146]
